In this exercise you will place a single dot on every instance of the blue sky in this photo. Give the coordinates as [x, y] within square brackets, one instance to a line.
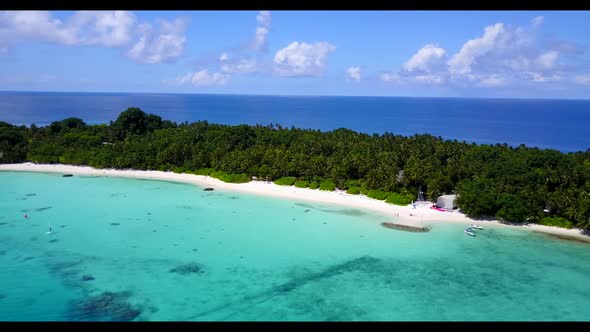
[513, 54]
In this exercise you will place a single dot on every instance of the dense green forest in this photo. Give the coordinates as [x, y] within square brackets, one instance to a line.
[510, 183]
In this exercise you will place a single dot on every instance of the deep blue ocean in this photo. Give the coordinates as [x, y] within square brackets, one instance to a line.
[543, 123]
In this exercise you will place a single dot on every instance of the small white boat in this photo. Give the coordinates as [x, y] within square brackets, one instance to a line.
[469, 232]
[475, 226]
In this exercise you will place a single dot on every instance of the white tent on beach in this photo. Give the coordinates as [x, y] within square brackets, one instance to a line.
[447, 202]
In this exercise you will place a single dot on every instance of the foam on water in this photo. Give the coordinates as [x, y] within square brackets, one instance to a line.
[126, 249]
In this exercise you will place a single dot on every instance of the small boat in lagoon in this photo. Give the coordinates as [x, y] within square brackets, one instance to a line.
[469, 232]
[475, 226]
[405, 227]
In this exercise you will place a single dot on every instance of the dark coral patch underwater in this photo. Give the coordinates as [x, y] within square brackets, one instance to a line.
[108, 306]
[189, 268]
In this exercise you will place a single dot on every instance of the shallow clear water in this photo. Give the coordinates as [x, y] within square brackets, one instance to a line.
[169, 251]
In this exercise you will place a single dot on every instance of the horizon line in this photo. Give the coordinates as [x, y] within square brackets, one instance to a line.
[290, 95]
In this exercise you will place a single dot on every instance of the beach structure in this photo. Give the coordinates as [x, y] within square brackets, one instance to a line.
[447, 202]
[420, 195]
[421, 199]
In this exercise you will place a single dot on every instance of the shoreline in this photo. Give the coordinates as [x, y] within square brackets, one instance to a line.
[406, 214]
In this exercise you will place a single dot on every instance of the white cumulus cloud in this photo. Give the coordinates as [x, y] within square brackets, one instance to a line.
[492, 81]
[200, 78]
[423, 79]
[97, 28]
[426, 66]
[102, 28]
[240, 66]
[547, 60]
[390, 77]
[502, 55]
[105, 28]
[425, 59]
[263, 18]
[260, 38]
[302, 59]
[537, 21]
[354, 73]
[461, 62]
[428, 79]
[158, 46]
[243, 59]
[36, 25]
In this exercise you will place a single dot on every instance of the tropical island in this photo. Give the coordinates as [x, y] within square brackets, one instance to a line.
[521, 185]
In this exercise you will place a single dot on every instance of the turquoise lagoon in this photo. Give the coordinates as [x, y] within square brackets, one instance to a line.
[128, 249]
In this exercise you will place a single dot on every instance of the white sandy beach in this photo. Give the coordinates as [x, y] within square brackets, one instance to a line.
[422, 215]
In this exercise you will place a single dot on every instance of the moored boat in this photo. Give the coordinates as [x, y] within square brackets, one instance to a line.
[405, 227]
